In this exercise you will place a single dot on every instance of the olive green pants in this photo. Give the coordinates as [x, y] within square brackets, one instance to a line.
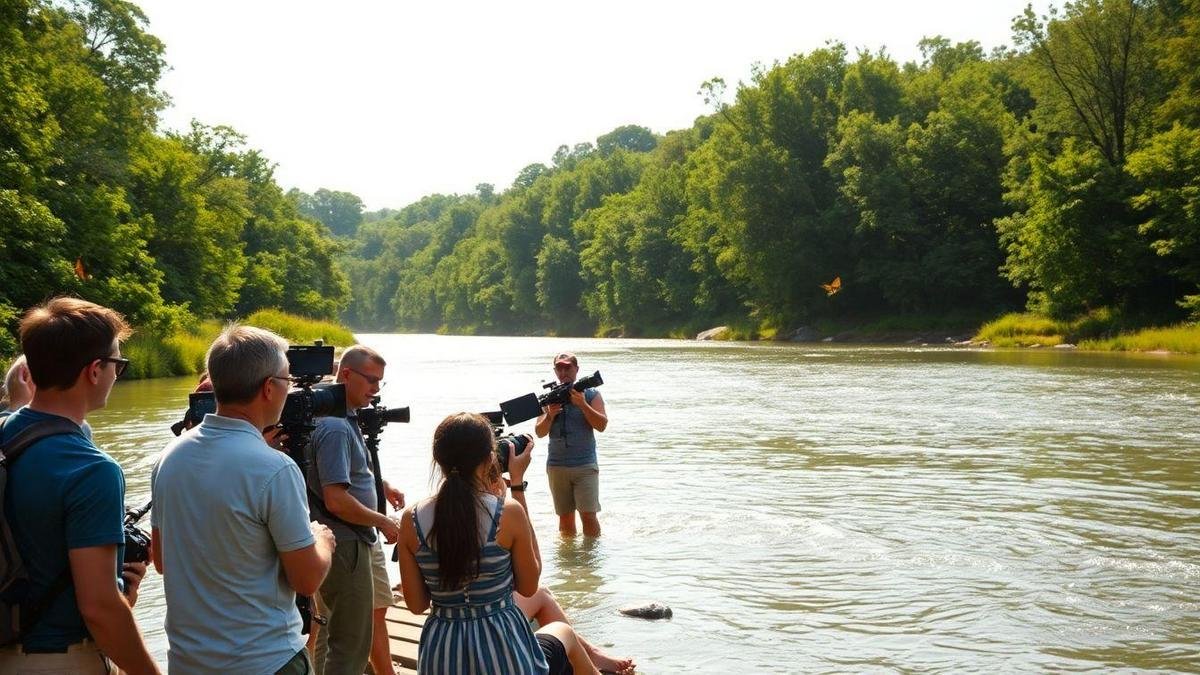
[346, 600]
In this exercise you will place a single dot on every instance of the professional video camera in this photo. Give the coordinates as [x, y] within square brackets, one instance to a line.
[373, 419]
[529, 406]
[561, 393]
[137, 542]
[504, 442]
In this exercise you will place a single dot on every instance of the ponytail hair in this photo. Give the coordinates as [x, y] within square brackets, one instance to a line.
[460, 444]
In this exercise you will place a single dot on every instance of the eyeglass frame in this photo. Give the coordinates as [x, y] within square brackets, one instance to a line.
[371, 379]
[122, 363]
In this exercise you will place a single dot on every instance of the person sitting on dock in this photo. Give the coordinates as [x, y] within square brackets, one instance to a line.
[459, 554]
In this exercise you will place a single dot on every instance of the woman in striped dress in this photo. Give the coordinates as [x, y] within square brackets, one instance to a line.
[464, 551]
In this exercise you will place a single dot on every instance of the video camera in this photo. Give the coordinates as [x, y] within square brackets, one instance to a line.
[529, 406]
[561, 393]
[503, 443]
[373, 419]
[137, 542]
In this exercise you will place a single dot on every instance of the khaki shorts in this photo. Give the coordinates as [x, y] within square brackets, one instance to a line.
[383, 586]
[575, 488]
[83, 657]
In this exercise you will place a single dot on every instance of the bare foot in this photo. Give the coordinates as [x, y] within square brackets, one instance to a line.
[608, 664]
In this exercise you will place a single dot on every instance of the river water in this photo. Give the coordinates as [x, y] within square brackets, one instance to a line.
[826, 508]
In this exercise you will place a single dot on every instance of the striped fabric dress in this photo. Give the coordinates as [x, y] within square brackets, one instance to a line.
[476, 629]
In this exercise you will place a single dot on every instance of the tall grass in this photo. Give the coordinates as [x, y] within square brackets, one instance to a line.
[1184, 339]
[182, 352]
[1101, 330]
[1022, 330]
[299, 329]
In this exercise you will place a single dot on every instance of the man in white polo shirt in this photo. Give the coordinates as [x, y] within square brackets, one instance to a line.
[232, 536]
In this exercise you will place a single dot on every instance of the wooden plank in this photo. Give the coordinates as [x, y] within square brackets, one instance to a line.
[404, 633]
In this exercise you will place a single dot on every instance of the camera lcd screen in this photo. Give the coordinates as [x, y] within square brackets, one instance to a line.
[310, 360]
[520, 409]
[201, 404]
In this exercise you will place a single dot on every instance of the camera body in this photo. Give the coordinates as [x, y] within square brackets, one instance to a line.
[137, 542]
[372, 419]
[504, 442]
[308, 365]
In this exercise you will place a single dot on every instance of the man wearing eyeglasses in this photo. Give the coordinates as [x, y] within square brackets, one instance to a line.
[357, 593]
[66, 502]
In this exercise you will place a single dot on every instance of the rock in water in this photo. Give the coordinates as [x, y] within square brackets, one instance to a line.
[652, 611]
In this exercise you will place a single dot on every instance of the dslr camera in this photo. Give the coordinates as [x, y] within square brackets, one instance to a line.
[504, 442]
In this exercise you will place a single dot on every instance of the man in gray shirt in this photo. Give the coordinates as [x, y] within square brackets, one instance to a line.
[342, 493]
[231, 535]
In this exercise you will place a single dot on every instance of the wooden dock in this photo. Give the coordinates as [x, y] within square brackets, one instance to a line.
[404, 631]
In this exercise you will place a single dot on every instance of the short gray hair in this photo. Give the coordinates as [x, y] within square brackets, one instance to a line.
[10, 378]
[358, 355]
[240, 359]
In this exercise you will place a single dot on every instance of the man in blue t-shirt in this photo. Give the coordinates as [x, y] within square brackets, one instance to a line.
[65, 500]
[571, 465]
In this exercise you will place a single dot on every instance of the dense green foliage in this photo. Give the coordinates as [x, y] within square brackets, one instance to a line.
[1062, 175]
[168, 228]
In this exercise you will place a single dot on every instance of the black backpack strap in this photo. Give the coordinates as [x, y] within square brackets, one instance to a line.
[9, 452]
[11, 449]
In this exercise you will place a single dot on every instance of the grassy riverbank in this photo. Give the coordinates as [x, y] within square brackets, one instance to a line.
[182, 352]
[1100, 330]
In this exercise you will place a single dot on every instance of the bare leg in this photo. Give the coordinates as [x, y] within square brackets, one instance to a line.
[576, 654]
[543, 607]
[381, 648]
[591, 524]
[566, 524]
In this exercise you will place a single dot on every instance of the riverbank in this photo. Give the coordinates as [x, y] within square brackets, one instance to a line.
[1100, 330]
[182, 352]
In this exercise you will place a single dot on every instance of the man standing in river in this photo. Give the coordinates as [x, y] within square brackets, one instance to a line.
[571, 466]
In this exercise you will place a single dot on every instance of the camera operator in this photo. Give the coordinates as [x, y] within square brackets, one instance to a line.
[571, 464]
[355, 595]
[231, 531]
[66, 501]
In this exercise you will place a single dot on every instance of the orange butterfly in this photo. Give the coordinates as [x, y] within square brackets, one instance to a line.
[79, 271]
[833, 287]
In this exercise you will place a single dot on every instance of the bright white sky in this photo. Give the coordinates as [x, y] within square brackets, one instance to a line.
[394, 100]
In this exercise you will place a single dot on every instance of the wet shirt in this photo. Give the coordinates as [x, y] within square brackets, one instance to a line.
[62, 493]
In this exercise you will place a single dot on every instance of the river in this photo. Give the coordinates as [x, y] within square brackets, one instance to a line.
[830, 508]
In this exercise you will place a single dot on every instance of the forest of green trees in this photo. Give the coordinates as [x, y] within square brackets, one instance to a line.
[168, 228]
[1060, 175]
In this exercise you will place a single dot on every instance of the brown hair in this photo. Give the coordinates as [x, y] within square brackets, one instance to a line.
[64, 335]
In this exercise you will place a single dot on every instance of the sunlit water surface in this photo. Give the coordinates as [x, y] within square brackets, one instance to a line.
[816, 509]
